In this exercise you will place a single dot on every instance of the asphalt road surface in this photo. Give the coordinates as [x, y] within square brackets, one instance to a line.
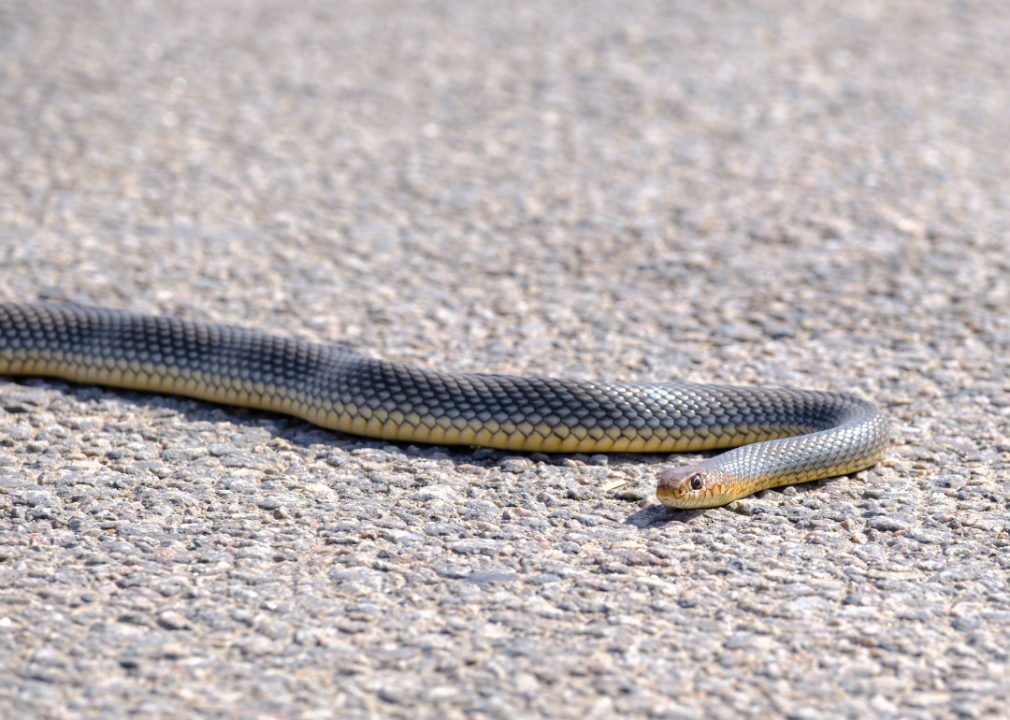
[813, 195]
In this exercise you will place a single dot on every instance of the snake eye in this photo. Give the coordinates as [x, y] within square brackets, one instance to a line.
[696, 482]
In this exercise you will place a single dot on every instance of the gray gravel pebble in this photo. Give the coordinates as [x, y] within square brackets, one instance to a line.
[809, 195]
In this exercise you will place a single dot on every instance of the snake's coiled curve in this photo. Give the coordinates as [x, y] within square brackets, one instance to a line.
[788, 436]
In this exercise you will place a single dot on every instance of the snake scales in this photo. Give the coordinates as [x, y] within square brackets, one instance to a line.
[787, 436]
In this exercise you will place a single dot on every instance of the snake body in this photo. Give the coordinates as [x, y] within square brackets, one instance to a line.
[788, 436]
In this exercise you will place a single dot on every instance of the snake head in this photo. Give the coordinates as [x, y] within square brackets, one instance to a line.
[690, 487]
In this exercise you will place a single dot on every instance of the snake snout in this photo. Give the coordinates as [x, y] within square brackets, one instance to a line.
[676, 483]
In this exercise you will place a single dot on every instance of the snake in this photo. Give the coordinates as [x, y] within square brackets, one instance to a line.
[780, 436]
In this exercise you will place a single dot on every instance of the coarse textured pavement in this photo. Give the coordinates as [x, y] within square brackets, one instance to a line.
[809, 194]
